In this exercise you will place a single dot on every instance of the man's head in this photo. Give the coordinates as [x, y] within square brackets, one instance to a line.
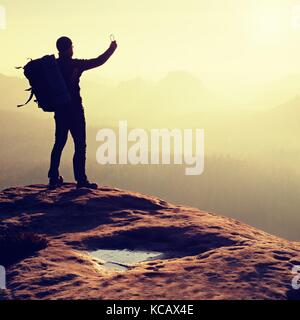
[64, 46]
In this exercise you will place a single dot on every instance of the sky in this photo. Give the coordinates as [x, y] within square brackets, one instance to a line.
[223, 42]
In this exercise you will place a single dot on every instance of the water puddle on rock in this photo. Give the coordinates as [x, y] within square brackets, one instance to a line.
[122, 260]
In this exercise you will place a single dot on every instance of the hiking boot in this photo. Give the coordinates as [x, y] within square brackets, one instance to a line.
[86, 184]
[56, 182]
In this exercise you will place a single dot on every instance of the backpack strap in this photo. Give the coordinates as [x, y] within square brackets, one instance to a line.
[18, 68]
[29, 99]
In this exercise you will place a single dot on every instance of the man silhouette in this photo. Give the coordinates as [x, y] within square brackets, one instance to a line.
[71, 117]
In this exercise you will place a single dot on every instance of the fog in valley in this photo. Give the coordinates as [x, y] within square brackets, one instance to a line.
[252, 147]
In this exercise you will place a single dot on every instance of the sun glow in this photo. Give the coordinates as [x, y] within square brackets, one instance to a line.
[269, 24]
[226, 43]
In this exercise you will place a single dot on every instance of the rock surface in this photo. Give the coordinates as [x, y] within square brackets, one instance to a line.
[207, 256]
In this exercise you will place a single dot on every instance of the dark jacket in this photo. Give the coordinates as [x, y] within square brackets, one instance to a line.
[72, 70]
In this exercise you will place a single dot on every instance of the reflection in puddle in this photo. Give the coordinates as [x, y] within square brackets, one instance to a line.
[122, 260]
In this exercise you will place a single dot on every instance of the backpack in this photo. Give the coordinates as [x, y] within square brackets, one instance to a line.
[47, 84]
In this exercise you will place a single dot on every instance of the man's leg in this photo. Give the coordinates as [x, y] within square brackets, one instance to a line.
[78, 131]
[61, 136]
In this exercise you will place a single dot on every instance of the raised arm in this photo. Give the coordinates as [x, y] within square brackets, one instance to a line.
[97, 62]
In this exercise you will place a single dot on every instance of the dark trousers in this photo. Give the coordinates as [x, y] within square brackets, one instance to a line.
[73, 121]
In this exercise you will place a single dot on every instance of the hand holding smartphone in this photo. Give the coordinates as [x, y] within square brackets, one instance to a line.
[113, 42]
